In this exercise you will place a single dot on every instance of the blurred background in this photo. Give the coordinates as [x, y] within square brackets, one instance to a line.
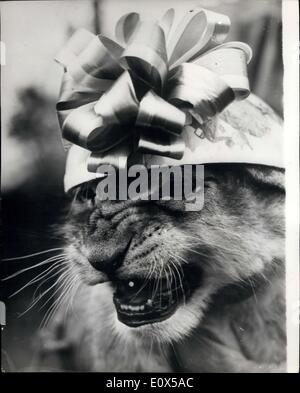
[32, 155]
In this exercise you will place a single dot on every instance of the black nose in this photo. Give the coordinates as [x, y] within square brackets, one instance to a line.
[110, 263]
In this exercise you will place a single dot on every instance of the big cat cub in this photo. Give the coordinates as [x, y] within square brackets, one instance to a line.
[153, 287]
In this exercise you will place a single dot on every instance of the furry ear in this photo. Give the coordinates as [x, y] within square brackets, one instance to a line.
[267, 175]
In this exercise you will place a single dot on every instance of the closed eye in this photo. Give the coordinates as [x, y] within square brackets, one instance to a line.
[85, 192]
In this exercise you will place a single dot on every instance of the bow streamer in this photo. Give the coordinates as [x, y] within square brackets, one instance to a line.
[135, 96]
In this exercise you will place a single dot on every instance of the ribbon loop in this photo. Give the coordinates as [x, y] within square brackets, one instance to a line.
[146, 54]
[146, 93]
[126, 26]
[153, 141]
[85, 128]
[119, 105]
[199, 90]
[167, 20]
[92, 67]
[229, 62]
[117, 157]
[199, 31]
[158, 113]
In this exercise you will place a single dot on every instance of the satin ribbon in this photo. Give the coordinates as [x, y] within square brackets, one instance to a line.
[136, 96]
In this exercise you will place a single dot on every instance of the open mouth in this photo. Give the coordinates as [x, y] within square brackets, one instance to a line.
[139, 301]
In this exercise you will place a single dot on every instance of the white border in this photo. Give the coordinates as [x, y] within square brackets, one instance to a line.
[290, 18]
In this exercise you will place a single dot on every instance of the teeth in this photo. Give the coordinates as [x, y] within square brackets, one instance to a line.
[132, 308]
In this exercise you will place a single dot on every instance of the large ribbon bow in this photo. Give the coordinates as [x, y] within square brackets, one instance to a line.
[136, 96]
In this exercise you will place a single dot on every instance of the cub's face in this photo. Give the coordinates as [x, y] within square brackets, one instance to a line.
[164, 263]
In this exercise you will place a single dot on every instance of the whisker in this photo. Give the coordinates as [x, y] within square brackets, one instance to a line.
[31, 255]
[37, 300]
[36, 279]
[169, 283]
[148, 277]
[73, 289]
[253, 289]
[160, 286]
[47, 301]
[158, 281]
[177, 257]
[59, 301]
[180, 282]
[62, 266]
[173, 278]
[51, 259]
